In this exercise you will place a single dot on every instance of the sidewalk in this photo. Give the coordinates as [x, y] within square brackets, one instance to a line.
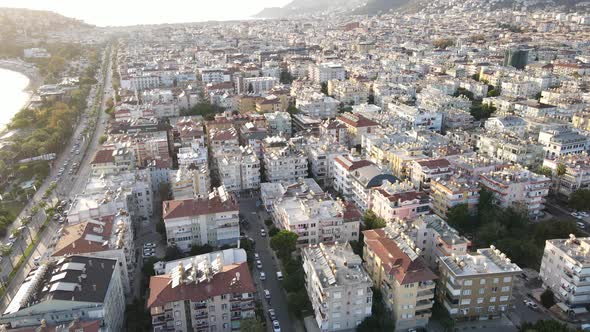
[503, 324]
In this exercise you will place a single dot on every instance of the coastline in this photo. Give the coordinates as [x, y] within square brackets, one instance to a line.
[28, 70]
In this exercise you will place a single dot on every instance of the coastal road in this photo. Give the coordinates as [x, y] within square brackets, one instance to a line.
[278, 300]
[64, 189]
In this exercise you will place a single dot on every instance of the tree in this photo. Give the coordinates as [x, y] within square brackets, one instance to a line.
[443, 43]
[252, 325]
[273, 231]
[102, 139]
[372, 221]
[250, 88]
[548, 298]
[161, 228]
[298, 303]
[199, 250]
[493, 93]
[324, 88]
[579, 199]
[560, 172]
[173, 253]
[544, 170]
[286, 77]
[544, 326]
[284, 243]
[292, 110]
[458, 217]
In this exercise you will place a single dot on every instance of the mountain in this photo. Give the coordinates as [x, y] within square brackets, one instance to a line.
[374, 7]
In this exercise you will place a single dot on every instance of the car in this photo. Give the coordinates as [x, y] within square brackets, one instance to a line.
[71, 171]
[580, 225]
[279, 275]
[259, 264]
[272, 315]
[36, 260]
[583, 214]
[77, 151]
[275, 326]
[149, 245]
[531, 304]
[256, 256]
[267, 294]
[56, 217]
[262, 276]
[262, 232]
[574, 214]
[61, 220]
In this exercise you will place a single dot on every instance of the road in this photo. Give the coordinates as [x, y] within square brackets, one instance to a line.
[65, 188]
[278, 300]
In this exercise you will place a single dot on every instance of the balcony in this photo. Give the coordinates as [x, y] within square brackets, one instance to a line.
[424, 304]
[424, 295]
[202, 314]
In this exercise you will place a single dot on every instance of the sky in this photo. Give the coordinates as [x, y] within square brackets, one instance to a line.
[131, 12]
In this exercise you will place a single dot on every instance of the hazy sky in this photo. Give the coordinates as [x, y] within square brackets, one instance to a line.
[130, 12]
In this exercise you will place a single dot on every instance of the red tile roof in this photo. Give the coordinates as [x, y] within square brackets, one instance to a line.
[360, 121]
[351, 165]
[434, 163]
[73, 239]
[394, 261]
[103, 156]
[196, 207]
[403, 197]
[161, 291]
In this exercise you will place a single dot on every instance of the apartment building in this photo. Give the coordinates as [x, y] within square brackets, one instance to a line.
[321, 153]
[399, 200]
[476, 286]
[210, 220]
[190, 182]
[208, 292]
[278, 124]
[516, 186]
[239, 169]
[113, 159]
[577, 172]
[363, 180]
[60, 290]
[317, 218]
[511, 149]
[282, 160]
[349, 92]
[344, 166]
[337, 285]
[271, 192]
[257, 85]
[407, 284]
[565, 269]
[324, 72]
[422, 172]
[448, 193]
[357, 126]
[473, 165]
[317, 105]
[417, 118]
[563, 141]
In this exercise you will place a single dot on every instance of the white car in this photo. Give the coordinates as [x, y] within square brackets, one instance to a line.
[262, 276]
[259, 264]
[149, 245]
[266, 294]
[580, 225]
[262, 232]
[275, 326]
[279, 275]
[256, 256]
[531, 304]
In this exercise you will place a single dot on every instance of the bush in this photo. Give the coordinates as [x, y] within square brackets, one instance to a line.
[273, 231]
[268, 222]
[548, 298]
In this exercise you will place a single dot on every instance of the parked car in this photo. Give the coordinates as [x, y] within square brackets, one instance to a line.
[279, 275]
[256, 256]
[275, 326]
[580, 224]
[531, 304]
[267, 294]
[262, 232]
[259, 264]
[149, 245]
[271, 314]
[262, 276]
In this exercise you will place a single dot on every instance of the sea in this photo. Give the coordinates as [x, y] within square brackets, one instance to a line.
[13, 96]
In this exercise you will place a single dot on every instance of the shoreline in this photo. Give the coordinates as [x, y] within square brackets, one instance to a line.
[28, 70]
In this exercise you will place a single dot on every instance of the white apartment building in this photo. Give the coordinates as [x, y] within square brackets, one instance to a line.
[214, 75]
[417, 118]
[317, 105]
[258, 85]
[270, 192]
[282, 160]
[422, 172]
[321, 155]
[324, 72]
[338, 286]
[577, 172]
[317, 218]
[113, 159]
[563, 141]
[211, 220]
[349, 92]
[278, 124]
[190, 182]
[565, 269]
[399, 200]
[239, 169]
[196, 154]
[516, 186]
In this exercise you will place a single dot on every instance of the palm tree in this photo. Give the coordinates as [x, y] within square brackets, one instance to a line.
[560, 172]
[6, 251]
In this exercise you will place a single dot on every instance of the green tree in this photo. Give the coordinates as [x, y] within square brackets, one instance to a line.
[102, 139]
[548, 298]
[324, 88]
[493, 93]
[199, 250]
[544, 326]
[298, 303]
[443, 43]
[273, 231]
[284, 243]
[161, 228]
[252, 325]
[458, 217]
[372, 221]
[579, 199]
[286, 77]
[250, 88]
[560, 172]
[173, 253]
[544, 170]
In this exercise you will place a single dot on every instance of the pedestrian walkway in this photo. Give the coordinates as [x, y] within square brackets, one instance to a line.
[503, 324]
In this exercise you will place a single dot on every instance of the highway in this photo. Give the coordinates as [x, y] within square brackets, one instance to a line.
[68, 185]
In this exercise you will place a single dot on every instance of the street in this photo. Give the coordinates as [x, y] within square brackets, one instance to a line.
[67, 187]
[278, 299]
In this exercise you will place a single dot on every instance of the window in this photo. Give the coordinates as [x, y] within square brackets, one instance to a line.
[507, 279]
[492, 308]
[482, 281]
[479, 300]
[481, 290]
[494, 289]
[465, 301]
[496, 280]
[468, 282]
[493, 299]
[337, 295]
[503, 298]
[467, 292]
